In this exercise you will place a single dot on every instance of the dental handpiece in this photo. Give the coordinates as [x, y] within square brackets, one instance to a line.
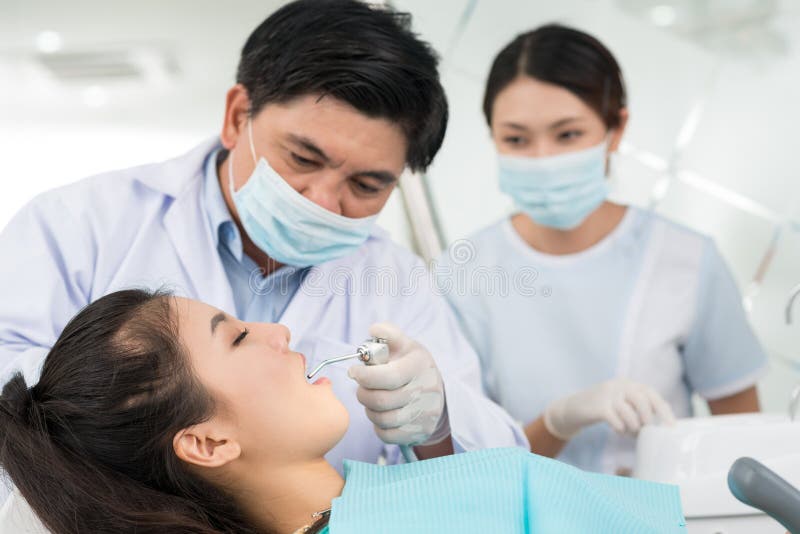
[373, 351]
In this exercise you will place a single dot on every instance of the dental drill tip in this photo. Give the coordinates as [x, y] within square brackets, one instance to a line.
[316, 370]
[325, 363]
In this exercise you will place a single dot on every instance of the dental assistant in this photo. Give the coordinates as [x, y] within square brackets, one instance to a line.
[273, 221]
[627, 314]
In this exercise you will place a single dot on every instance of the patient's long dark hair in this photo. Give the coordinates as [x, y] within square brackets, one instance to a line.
[90, 445]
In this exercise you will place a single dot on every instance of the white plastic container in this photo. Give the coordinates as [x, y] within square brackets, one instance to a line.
[696, 455]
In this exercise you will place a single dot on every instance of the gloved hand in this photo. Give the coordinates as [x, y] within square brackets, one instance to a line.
[404, 398]
[626, 406]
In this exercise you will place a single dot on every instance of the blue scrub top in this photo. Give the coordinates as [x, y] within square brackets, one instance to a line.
[652, 302]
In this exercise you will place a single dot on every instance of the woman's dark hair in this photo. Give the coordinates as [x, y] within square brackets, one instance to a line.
[90, 445]
[366, 56]
[565, 57]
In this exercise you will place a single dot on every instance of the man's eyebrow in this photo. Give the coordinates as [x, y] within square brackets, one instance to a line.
[385, 177]
[218, 318]
[309, 145]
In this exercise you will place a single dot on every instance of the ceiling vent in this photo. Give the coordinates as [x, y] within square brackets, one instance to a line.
[133, 64]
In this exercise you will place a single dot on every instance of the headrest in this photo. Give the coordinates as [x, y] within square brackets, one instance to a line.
[17, 517]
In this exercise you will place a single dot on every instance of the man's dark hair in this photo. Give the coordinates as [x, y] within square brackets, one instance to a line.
[366, 56]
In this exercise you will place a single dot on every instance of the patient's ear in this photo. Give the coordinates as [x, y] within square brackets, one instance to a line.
[204, 446]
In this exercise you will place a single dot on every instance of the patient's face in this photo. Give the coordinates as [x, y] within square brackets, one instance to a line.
[263, 397]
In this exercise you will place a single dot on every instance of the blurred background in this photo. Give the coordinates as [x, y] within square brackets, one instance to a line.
[91, 85]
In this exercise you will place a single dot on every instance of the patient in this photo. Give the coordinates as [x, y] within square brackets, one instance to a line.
[161, 414]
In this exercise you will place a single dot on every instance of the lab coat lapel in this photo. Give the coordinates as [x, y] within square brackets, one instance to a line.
[309, 303]
[186, 224]
[314, 299]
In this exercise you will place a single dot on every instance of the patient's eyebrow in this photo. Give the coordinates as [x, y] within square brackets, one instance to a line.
[218, 318]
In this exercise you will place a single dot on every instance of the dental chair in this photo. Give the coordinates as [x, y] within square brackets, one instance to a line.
[16, 517]
[756, 485]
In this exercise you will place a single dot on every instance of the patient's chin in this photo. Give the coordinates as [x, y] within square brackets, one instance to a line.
[305, 429]
[335, 426]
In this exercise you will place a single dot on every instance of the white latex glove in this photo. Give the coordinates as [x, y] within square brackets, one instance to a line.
[403, 398]
[626, 406]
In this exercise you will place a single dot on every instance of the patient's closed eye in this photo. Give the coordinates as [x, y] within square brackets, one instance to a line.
[240, 337]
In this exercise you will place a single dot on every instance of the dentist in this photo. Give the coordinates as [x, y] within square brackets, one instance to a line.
[273, 221]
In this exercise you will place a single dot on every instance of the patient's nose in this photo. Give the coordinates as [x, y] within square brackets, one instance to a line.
[277, 336]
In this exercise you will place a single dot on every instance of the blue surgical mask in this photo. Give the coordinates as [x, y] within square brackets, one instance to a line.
[287, 226]
[556, 191]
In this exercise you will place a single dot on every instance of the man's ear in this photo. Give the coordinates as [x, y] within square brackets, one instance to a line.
[205, 446]
[237, 107]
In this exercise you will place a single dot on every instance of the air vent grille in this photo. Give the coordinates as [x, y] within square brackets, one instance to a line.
[124, 65]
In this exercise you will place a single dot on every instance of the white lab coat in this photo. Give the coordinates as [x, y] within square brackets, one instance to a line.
[147, 227]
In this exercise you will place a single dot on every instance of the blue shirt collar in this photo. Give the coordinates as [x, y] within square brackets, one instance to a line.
[223, 229]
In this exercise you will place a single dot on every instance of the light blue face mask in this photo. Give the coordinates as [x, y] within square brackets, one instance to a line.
[287, 226]
[556, 191]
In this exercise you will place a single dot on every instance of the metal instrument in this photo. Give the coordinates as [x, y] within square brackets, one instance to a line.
[373, 351]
